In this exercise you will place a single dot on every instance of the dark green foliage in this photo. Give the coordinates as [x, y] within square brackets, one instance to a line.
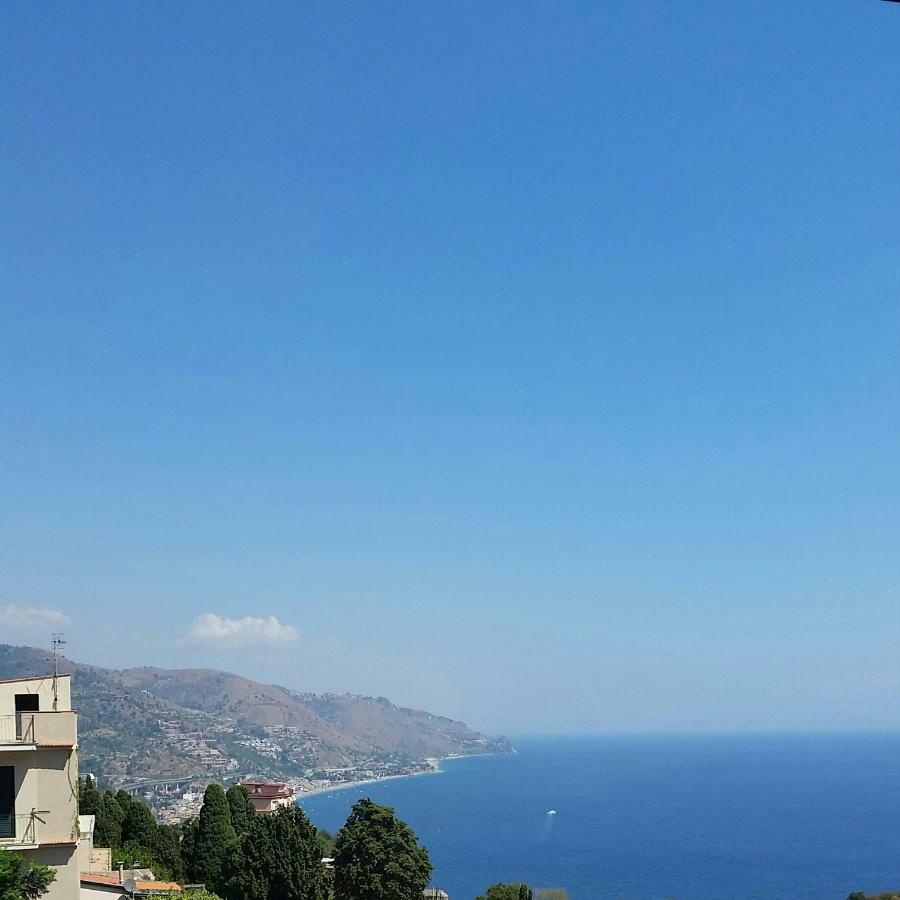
[138, 823]
[377, 857]
[127, 826]
[89, 798]
[20, 881]
[279, 859]
[516, 891]
[166, 847]
[240, 807]
[857, 895]
[214, 840]
[108, 827]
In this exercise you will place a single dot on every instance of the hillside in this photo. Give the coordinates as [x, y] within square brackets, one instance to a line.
[149, 723]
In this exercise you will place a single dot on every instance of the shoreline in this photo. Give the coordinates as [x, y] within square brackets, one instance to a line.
[436, 769]
[345, 786]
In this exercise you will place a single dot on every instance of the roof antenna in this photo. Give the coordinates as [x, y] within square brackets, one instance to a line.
[56, 641]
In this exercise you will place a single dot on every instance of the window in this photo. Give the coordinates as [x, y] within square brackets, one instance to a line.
[7, 802]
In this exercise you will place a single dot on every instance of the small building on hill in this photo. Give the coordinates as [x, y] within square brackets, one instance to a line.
[268, 796]
[434, 894]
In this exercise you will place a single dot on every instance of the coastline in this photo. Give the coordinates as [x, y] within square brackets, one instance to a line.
[435, 769]
[347, 785]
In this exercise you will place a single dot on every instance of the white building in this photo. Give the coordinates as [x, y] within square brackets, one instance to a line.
[39, 777]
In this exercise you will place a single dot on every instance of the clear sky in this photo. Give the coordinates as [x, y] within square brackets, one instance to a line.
[533, 363]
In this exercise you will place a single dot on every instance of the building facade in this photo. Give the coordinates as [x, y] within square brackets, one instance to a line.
[269, 796]
[39, 777]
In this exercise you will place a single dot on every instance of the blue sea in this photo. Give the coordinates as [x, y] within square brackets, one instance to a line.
[809, 817]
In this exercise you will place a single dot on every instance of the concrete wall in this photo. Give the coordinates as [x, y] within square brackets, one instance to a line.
[42, 686]
[64, 860]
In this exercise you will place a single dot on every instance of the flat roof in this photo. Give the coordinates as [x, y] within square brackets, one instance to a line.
[33, 678]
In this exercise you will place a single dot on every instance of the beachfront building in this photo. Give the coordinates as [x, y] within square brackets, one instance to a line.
[268, 796]
[39, 777]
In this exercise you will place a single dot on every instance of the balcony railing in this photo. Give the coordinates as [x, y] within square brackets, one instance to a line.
[17, 729]
[21, 829]
[54, 729]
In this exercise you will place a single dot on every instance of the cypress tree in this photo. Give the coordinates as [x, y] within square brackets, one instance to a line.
[214, 839]
[240, 808]
[89, 798]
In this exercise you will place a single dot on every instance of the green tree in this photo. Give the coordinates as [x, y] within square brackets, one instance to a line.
[138, 823]
[240, 807]
[89, 798]
[377, 857]
[551, 894]
[857, 895]
[20, 881]
[166, 847]
[279, 859]
[214, 840]
[517, 891]
[198, 895]
[108, 827]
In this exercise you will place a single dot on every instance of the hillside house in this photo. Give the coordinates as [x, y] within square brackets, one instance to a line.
[268, 796]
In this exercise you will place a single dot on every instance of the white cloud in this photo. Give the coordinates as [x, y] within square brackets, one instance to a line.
[31, 618]
[216, 631]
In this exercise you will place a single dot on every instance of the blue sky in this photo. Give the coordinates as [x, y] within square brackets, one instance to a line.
[536, 364]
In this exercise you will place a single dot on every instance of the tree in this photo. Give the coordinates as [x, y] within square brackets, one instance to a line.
[166, 847]
[240, 807]
[108, 826]
[377, 857]
[89, 798]
[551, 894]
[214, 840]
[198, 895]
[20, 881]
[279, 859]
[138, 824]
[517, 891]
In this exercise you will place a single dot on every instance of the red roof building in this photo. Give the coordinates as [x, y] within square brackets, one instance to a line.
[268, 796]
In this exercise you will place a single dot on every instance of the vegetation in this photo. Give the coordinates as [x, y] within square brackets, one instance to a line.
[551, 894]
[214, 841]
[516, 891]
[127, 826]
[377, 857]
[20, 881]
[278, 859]
[240, 808]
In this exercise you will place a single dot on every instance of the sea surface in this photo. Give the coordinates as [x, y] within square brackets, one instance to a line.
[809, 817]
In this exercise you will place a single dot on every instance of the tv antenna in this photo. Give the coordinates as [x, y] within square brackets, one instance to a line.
[56, 641]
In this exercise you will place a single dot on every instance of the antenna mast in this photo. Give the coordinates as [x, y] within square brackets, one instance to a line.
[56, 641]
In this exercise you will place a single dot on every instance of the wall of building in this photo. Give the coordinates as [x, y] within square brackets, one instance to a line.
[43, 687]
[64, 860]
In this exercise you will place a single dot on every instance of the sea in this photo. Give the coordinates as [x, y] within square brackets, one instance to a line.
[762, 817]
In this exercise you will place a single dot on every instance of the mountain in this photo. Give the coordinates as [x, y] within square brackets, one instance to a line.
[150, 723]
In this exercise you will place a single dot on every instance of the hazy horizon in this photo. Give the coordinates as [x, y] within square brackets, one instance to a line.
[533, 365]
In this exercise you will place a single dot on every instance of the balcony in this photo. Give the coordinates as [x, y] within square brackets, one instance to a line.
[20, 832]
[30, 730]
